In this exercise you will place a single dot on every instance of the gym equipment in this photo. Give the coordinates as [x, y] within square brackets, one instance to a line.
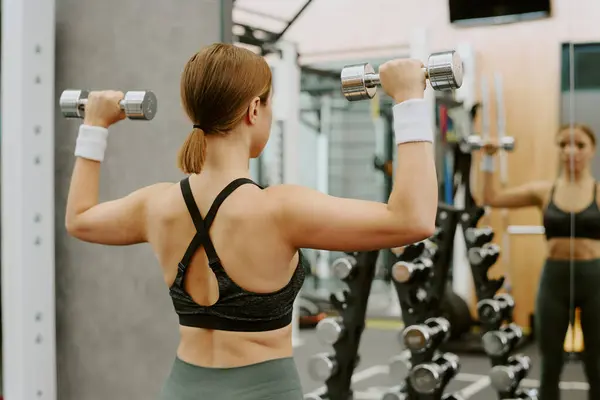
[477, 237]
[418, 338]
[500, 342]
[430, 377]
[343, 267]
[345, 331]
[506, 378]
[456, 310]
[496, 310]
[322, 366]
[484, 256]
[444, 71]
[404, 272]
[330, 330]
[138, 105]
[475, 142]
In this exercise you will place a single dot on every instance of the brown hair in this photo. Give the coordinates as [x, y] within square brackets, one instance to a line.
[217, 85]
[583, 128]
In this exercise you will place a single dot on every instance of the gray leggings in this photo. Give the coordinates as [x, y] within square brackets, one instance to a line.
[552, 315]
[270, 380]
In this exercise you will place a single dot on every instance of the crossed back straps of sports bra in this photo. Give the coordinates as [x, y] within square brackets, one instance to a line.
[557, 222]
[236, 309]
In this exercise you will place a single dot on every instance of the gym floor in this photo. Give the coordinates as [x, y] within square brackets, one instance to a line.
[380, 342]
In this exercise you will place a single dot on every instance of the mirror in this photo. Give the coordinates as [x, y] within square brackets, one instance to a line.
[580, 90]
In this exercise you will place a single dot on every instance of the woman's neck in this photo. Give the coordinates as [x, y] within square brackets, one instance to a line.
[577, 177]
[227, 154]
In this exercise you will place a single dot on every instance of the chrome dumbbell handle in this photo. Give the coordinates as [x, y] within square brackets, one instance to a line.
[137, 105]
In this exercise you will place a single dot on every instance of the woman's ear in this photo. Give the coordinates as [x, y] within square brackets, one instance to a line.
[253, 111]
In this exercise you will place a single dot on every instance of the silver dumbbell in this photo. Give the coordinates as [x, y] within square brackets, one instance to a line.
[506, 378]
[496, 343]
[343, 267]
[479, 236]
[418, 338]
[322, 366]
[404, 272]
[475, 142]
[138, 105]
[486, 254]
[330, 330]
[429, 377]
[444, 71]
[495, 310]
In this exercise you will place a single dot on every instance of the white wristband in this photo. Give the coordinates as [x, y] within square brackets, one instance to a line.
[412, 121]
[91, 142]
[487, 163]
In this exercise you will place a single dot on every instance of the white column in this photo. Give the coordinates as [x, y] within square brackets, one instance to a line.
[286, 124]
[28, 107]
[323, 172]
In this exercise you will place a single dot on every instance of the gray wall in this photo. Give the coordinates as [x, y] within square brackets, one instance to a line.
[116, 330]
[585, 111]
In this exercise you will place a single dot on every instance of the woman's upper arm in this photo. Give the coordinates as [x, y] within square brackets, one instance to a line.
[311, 219]
[116, 222]
[530, 194]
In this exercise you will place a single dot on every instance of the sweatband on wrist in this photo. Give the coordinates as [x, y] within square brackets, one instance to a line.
[412, 121]
[91, 142]
[487, 163]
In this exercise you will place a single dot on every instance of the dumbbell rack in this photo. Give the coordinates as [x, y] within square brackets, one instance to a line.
[499, 335]
[349, 326]
[420, 299]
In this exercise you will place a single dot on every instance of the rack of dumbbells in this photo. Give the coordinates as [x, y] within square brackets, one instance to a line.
[500, 336]
[343, 332]
[420, 276]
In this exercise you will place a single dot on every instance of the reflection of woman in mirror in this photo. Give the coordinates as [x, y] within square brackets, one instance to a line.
[575, 192]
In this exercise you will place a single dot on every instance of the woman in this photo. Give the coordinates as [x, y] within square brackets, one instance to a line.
[229, 249]
[575, 192]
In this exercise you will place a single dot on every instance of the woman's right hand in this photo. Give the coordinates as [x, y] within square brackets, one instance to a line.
[103, 108]
[403, 79]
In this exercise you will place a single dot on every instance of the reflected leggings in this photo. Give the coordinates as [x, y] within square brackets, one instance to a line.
[270, 380]
[552, 322]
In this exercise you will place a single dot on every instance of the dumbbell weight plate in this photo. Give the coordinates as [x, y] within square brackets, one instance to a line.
[445, 70]
[140, 104]
[69, 103]
[355, 85]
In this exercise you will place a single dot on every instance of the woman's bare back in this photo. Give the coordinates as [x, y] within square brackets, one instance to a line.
[251, 251]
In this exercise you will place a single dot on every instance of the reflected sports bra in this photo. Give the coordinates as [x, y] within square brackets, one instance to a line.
[557, 222]
[237, 309]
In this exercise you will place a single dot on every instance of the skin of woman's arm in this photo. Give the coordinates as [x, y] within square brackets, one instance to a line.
[311, 219]
[116, 222]
[530, 194]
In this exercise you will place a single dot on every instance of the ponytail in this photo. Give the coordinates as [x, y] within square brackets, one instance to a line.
[192, 154]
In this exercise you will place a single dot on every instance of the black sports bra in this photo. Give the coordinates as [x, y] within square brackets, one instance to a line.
[237, 309]
[557, 222]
